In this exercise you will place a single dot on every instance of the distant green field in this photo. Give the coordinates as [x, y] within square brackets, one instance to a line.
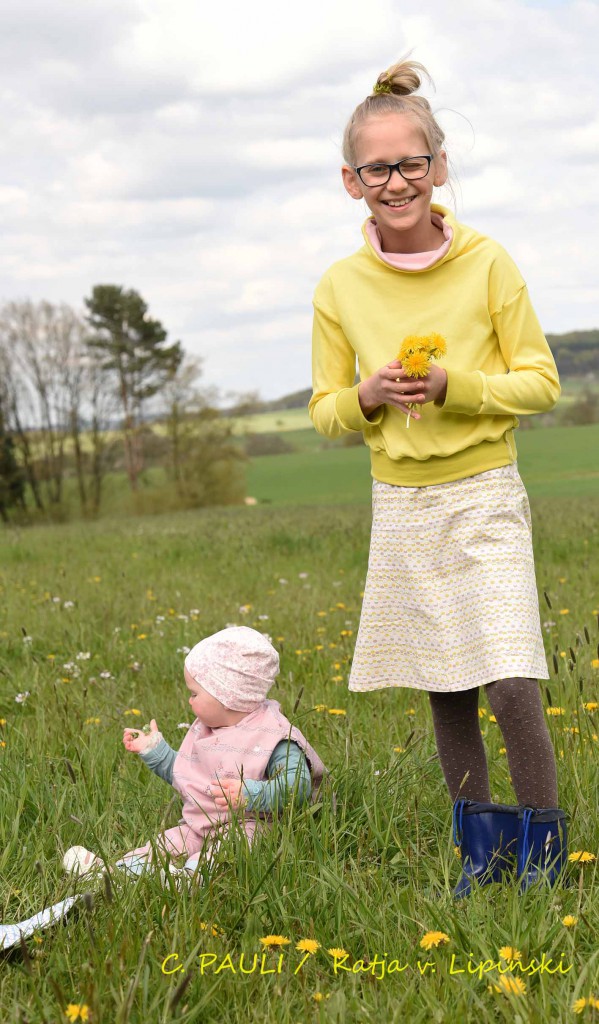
[557, 461]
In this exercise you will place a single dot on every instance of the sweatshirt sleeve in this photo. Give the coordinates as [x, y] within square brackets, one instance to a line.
[161, 760]
[288, 773]
[531, 384]
[334, 407]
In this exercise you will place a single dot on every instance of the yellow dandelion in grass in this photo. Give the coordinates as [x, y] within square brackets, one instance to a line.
[77, 1011]
[510, 953]
[322, 615]
[581, 1004]
[132, 711]
[492, 719]
[2, 721]
[509, 986]
[431, 939]
[502, 750]
[337, 711]
[337, 952]
[92, 721]
[564, 611]
[582, 857]
[2, 743]
[318, 996]
[569, 921]
[336, 679]
[307, 945]
[457, 852]
[319, 707]
[214, 931]
[319, 647]
[555, 711]
[595, 663]
[142, 636]
[482, 712]
[399, 750]
[275, 940]
[591, 705]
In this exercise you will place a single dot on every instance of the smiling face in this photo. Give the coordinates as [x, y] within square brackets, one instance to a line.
[207, 708]
[387, 139]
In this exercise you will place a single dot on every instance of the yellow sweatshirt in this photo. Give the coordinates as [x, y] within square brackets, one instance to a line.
[498, 362]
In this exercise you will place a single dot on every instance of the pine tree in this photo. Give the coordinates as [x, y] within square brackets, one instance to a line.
[135, 352]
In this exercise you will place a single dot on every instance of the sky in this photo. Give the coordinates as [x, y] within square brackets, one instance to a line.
[192, 151]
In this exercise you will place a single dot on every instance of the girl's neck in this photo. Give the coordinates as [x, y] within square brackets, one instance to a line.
[427, 239]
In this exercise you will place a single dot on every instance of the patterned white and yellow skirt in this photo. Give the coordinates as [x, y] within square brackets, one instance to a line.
[450, 600]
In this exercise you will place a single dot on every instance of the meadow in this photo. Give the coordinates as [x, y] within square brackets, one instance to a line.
[96, 619]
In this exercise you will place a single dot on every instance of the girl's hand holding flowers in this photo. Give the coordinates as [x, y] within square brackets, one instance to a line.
[137, 740]
[228, 793]
[409, 380]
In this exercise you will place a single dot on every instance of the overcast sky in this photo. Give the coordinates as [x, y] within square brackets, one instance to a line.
[191, 150]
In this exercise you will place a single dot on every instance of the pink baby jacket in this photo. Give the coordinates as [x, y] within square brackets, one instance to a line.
[244, 749]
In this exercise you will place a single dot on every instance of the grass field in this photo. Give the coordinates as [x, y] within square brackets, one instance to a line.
[95, 619]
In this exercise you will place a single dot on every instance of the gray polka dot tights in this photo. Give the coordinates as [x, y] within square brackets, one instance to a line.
[517, 706]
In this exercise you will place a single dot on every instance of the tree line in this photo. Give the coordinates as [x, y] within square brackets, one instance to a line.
[66, 378]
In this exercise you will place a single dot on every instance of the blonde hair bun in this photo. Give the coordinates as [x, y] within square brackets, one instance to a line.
[400, 79]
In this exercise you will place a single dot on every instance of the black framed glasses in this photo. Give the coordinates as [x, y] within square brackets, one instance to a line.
[411, 168]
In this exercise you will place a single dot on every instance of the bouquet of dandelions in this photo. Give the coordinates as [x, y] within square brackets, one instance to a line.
[415, 357]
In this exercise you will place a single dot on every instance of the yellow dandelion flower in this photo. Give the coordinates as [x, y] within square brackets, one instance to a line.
[580, 1004]
[555, 711]
[492, 718]
[564, 611]
[307, 945]
[2, 721]
[319, 647]
[591, 705]
[92, 721]
[399, 750]
[274, 940]
[457, 852]
[502, 750]
[410, 711]
[582, 857]
[411, 343]
[142, 636]
[318, 996]
[337, 952]
[436, 345]
[214, 931]
[509, 985]
[77, 1011]
[416, 365]
[569, 921]
[482, 712]
[322, 615]
[509, 953]
[337, 679]
[340, 604]
[431, 939]
[132, 711]
[562, 579]
[337, 711]
[595, 663]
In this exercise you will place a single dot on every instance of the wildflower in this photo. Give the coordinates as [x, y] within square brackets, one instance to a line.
[209, 928]
[337, 953]
[307, 945]
[548, 624]
[105, 674]
[184, 725]
[431, 939]
[337, 711]
[56, 600]
[83, 656]
[194, 611]
[321, 614]
[318, 996]
[509, 953]
[22, 697]
[555, 711]
[569, 921]
[142, 636]
[183, 650]
[77, 1011]
[2, 721]
[27, 639]
[502, 750]
[399, 750]
[135, 666]
[595, 663]
[580, 1004]
[482, 712]
[132, 711]
[582, 857]
[411, 711]
[96, 579]
[2, 743]
[337, 679]
[92, 721]
[283, 582]
[263, 618]
[509, 985]
[319, 707]
[416, 365]
[244, 609]
[591, 705]
[303, 575]
[492, 718]
[275, 940]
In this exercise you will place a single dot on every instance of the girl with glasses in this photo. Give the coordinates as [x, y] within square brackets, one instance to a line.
[450, 602]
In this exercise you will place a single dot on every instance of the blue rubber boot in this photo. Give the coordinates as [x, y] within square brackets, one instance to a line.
[542, 845]
[487, 836]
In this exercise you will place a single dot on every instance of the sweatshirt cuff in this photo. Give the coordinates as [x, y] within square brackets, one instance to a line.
[464, 392]
[349, 411]
[252, 788]
[155, 754]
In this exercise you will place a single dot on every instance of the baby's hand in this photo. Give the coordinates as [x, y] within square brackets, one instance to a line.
[228, 793]
[138, 740]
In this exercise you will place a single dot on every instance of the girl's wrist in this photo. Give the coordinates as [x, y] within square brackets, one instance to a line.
[366, 404]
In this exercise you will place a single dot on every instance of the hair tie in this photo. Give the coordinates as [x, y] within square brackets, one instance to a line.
[382, 87]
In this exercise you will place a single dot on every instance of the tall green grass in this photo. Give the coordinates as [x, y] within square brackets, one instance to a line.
[371, 873]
